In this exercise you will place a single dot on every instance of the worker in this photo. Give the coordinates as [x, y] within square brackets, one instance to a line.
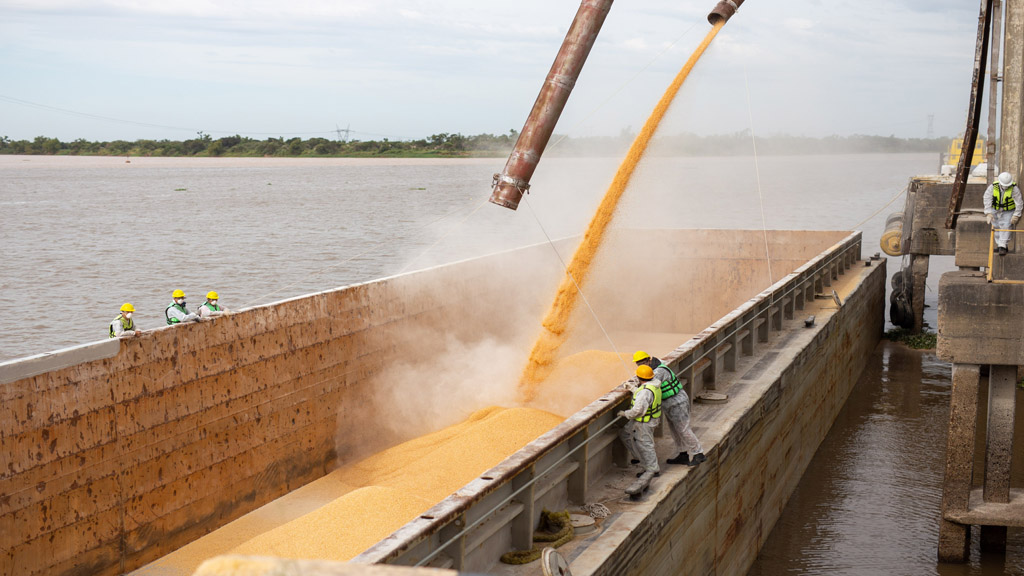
[643, 416]
[675, 405]
[210, 309]
[1003, 205]
[123, 325]
[176, 311]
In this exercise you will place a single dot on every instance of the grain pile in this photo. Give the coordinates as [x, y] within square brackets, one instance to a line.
[341, 529]
[556, 322]
[578, 379]
[399, 484]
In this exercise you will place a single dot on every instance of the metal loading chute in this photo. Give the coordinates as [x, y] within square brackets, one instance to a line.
[724, 10]
[514, 181]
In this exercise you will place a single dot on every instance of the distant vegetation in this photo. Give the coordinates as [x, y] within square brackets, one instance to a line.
[480, 145]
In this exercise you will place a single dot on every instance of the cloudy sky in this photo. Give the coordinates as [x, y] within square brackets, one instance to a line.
[114, 69]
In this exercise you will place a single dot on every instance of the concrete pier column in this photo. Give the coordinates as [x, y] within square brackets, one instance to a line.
[1010, 135]
[919, 274]
[998, 449]
[955, 539]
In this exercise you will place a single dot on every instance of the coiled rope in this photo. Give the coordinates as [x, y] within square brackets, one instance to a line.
[555, 529]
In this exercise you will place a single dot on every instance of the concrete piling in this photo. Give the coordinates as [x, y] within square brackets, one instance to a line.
[998, 449]
[954, 538]
[979, 324]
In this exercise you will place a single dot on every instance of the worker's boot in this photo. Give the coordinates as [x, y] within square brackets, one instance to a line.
[682, 458]
[642, 472]
[697, 459]
[640, 484]
[1002, 250]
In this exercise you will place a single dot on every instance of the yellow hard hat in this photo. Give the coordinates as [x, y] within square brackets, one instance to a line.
[178, 294]
[644, 372]
[640, 355]
[211, 295]
[127, 307]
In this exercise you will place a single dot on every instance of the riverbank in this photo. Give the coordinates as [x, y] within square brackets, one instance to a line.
[456, 145]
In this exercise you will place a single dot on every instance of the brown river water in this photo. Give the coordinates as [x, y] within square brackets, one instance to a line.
[82, 235]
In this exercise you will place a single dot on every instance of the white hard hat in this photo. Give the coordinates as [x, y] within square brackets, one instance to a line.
[1005, 179]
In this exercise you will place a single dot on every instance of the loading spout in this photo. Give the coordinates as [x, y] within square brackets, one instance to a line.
[724, 10]
[514, 180]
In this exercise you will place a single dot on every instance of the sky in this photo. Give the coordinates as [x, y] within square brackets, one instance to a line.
[153, 69]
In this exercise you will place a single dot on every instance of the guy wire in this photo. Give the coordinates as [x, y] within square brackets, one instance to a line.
[757, 172]
[565, 268]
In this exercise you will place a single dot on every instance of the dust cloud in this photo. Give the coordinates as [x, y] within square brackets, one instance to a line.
[417, 397]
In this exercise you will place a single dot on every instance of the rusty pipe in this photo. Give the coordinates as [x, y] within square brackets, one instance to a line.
[514, 180]
[724, 10]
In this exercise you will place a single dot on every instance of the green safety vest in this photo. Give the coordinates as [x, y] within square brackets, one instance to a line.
[671, 387]
[211, 307]
[655, 409]
[180, 308]
[126, 325]
[1002, 198]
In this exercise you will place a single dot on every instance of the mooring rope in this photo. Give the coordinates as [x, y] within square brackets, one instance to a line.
[875, 213]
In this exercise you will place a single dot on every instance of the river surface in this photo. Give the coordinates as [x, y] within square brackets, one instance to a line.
[80, 236]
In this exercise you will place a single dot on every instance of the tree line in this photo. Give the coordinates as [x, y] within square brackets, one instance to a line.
[480, 145]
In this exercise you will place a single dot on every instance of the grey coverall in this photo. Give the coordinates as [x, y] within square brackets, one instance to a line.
[676, 411]
[639, 436]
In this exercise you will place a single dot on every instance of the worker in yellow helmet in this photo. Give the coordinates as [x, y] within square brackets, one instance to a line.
[123, 326]
[642, 418]
[211, 309]
[675, 405]
[176, 312]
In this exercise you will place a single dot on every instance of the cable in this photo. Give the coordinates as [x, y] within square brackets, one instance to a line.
[443, 236]
[565, 268]
[263, 297]
[30, 104]
[627, 82]
[757, 172]
[875, 213]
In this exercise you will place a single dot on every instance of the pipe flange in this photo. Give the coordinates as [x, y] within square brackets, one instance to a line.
[521, 185]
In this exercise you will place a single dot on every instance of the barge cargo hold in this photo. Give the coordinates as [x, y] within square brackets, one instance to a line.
[121, 452]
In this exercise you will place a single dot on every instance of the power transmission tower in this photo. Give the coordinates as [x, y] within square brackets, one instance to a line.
[931, 126]
[339, 131]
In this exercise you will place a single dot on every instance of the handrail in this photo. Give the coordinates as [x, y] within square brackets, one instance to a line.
[693, 343]
[991, 251]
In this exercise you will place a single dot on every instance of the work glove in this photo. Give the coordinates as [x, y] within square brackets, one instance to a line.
[988, 218]
[620, 414]
[1014, 220]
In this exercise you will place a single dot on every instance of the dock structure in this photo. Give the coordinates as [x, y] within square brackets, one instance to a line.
[981, 328]
[925, 235]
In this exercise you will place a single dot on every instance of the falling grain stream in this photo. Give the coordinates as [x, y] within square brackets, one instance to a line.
[556, 322]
